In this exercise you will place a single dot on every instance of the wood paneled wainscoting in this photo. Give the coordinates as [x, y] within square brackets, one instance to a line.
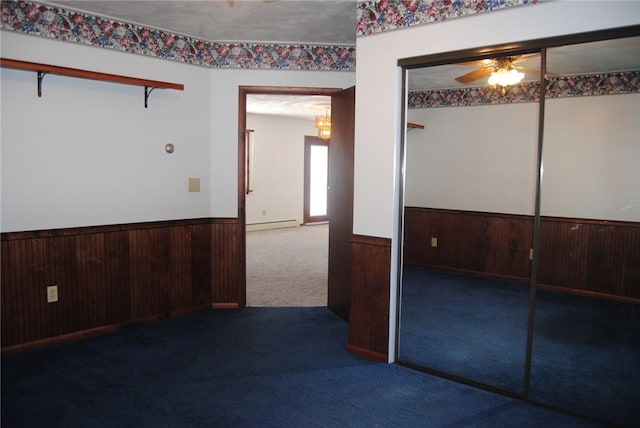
[112, 276]
[369, 313]
[576, 255]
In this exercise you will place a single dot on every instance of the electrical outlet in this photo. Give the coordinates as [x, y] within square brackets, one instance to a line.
[530, 253]
[434, 242]
[52, 293]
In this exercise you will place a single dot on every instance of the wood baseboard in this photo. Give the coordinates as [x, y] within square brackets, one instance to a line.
[98, 331]
[225, 305]
[587, 293]
[368, 354]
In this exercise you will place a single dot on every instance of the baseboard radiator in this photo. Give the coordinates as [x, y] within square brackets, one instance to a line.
[272, 225]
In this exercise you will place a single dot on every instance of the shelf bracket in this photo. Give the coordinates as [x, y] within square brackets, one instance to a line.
[147, 92]
[41, 75]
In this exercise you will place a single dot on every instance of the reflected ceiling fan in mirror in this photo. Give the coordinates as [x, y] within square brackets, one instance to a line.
[502, 71]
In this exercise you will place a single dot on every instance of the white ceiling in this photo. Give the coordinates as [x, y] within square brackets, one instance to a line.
[298, 106]
[331, 22]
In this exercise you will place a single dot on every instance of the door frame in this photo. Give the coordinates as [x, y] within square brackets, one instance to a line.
[241, 237]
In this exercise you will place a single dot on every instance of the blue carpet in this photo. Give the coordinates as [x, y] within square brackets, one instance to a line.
[586, 356]
[473, 327]
[257, 367]
[586, 351]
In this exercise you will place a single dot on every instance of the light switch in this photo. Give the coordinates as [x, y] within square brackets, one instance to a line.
[194, 184]
[434, 242]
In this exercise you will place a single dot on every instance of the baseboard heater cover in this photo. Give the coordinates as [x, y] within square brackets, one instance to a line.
[272, 225]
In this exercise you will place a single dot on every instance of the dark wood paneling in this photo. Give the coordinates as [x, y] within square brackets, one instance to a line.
[563, 250]
[201, 263]
[591, 255]
[369, 314]
[509, 239]
[111, 275]
[496, 244]
[419, 228]
[579, 254]
[226, 284]
[340, 201]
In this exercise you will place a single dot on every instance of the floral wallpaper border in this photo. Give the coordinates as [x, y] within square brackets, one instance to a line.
[70, 26]
[376, 16]
[558, 87]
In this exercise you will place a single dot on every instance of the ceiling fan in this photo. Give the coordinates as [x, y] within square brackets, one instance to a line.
[503, 71]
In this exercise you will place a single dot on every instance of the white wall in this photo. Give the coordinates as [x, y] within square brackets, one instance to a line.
[592, 158]
[483, 158]
[88, 153]
[480, 158]
[378, 84]
[278, 168]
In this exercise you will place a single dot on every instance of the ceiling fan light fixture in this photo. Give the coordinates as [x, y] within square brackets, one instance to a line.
[505, 77]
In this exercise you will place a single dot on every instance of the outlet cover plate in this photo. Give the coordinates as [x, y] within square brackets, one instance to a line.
[52, 293]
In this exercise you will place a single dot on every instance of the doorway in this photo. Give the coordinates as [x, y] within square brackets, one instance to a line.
[341, 169]
[285, 261]
[316, 176]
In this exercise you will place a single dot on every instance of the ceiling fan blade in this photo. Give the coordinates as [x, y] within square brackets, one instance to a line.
[535, 70]
[491, 62]
[527, 69]
[474, 75]
[526, 57]
[478, 63]
[489, 65]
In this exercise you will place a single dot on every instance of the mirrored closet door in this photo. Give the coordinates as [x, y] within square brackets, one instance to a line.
[470, 182]
[520, 222]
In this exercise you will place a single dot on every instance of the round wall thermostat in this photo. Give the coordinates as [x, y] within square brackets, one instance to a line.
[169, 148]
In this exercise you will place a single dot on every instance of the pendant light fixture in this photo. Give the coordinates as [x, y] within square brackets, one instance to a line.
[323, 124]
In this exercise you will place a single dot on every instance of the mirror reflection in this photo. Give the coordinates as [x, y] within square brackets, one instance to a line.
[558, 324]
[586, 343]
[470, 181]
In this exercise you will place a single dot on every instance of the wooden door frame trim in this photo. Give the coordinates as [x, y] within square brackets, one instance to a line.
[243, 91]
